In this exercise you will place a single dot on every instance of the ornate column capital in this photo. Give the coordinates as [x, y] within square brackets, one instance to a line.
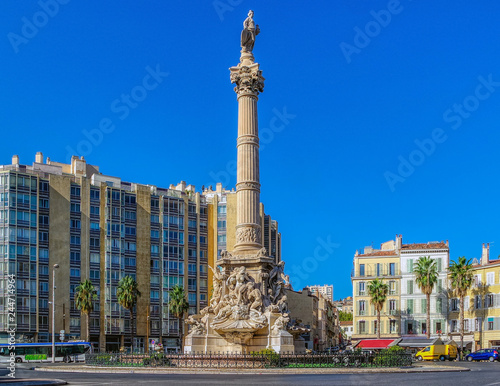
[248, 79]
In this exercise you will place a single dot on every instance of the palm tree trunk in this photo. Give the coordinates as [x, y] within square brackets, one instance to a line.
[181, 332]
[88, 327]
[461, 326]
[378, 324]
[428, 321]
[131, 331]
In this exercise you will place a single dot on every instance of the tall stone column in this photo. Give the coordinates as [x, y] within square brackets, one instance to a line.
[249, 83]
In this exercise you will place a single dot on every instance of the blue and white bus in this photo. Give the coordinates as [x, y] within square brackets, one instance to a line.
[42, 352]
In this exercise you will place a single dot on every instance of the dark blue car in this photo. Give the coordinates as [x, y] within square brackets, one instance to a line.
[487, 354]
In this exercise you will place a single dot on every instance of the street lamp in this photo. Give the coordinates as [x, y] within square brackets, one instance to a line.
[54, 312]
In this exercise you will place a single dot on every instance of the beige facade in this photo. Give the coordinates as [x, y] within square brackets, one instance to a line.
[481, 306]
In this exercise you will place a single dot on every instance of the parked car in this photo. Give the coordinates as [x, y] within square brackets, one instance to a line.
[332, 350]
[486, 354]
[437, 351]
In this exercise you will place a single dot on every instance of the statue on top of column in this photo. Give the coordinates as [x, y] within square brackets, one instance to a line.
[250, 30]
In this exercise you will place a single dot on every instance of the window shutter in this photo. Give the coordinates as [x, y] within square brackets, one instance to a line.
[440, 285]
[410, 287]
[410, 265]
[439, 264]
[466, 303]
[424, 306]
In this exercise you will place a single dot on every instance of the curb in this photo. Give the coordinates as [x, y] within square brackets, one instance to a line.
[152, 370]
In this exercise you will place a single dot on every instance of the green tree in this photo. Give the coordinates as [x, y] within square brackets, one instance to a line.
[345, 316]
[128, 294]
[426, 277]
[461, 281]
[178, 305]
[85, 294]
[378, 290]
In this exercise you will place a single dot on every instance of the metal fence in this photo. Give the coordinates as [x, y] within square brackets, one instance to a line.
[252, 360]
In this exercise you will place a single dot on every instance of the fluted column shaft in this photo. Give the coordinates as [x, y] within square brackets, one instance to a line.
[249, 82]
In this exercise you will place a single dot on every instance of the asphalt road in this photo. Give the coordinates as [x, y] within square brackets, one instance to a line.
[481, 374]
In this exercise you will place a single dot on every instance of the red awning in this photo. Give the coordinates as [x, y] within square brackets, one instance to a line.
[374, 344]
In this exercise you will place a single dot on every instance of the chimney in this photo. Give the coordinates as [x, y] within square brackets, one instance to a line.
[485, 255]
[39, 158]
[15, 159]
[399, 242]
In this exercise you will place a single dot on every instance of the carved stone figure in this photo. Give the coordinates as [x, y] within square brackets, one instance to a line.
[279, 324]
[256, 297]
[250, 30]
[197, 327]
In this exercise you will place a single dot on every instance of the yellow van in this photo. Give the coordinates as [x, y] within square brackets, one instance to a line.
[437, 351]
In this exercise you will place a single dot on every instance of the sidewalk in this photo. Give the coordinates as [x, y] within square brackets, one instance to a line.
[160, 370]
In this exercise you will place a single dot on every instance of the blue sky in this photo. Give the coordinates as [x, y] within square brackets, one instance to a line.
[387, 112]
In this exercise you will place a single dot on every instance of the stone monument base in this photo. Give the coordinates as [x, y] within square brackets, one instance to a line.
[240, 342]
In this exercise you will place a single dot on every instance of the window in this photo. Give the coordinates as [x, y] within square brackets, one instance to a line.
[221, 238]
[221, 224]
[192, 268]
[74, 322]
[409, 328]
[466, 325]
[221, 209]
[203, 239]
[392, 269]
[438, 328]
[192, 238]
[361, 270]
[75, 240]
[130, 231]
[439, 305]
[155, 218]
[44, 203]
[454, 326]
[94, 194]
[95, 258]
[392, 288]
[478, 324]
[129, 215]
[129, 199]
[95, 274]
[94, 210]
[155, 294]
[155, 249]
[155, 234]
[362, 327]
[378, 269]
[94, 226]
[477, 280]
[74, 272]
[392, 307]
[74, 224]
[130, 261]
[409, 306]
[410, 265]
[155, 203]
[410, 287]
[392, 326]
[490, 278]
[361, 288]
[75, 191]
[490, 324]
[192, 298]
[478, 302]
[454, 304]
[489, 300]
[362, 307]
[95, 242]
[74, 257]
[44, 186]
[75, 208]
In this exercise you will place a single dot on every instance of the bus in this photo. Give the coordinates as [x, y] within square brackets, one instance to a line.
[42, 352]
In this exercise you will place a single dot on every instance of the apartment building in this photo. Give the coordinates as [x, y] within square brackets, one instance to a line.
[481, 306]
[413, 301]
[383, 263]
[102, 228]
[325, 290]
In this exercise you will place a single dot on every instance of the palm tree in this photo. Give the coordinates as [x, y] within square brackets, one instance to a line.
[85, 294]
[461, 281]
[128, 293]
[377, 290]
[178, 305]
[426, 277]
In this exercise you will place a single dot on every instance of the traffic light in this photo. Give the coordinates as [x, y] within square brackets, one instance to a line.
[61, 335]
